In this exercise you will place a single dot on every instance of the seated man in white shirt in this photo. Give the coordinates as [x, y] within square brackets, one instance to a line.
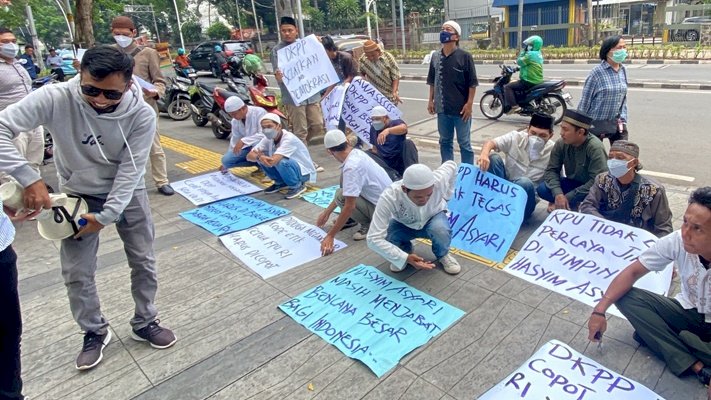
[677, 330]
[527, 154]
[411, 208]
[283, 157]
[362, 183]
[246, 132]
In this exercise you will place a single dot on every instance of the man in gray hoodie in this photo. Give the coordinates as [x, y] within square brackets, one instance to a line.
[103, 131]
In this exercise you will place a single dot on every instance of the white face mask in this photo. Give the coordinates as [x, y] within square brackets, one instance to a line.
[9, 50]
[269, 133]
[535, 147]
[123, 41]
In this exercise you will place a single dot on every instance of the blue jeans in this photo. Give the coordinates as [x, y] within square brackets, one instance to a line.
[447, 124]
[230, 159]
[436, 229]
[567, 185]
[286, 172]
[498, 168]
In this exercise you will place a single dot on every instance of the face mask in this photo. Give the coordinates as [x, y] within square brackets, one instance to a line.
[9, 50]
[619, 56]
[123, 41]
[378, 125]
[445, 37]
[618, 168]
[269, 133]
[535, 146]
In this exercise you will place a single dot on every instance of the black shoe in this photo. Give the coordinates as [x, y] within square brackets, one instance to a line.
[349, 224]
[166, 190]
[704, 375]
[273, 188]
[92, 352]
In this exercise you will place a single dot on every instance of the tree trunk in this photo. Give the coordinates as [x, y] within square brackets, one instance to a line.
[284, 9]
[83, 23]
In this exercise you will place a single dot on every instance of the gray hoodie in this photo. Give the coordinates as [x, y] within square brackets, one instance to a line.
[95, 154]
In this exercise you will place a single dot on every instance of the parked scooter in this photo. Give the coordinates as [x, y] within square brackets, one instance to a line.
[45, 80]
[176, 100]
[547, 97]
[188, 73]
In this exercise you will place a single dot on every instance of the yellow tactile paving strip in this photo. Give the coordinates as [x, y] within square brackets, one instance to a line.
[473, 257]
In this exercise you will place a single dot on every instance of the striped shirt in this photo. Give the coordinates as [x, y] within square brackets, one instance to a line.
[604, 91]
[7, 230]
[381, 73]
[15, 83]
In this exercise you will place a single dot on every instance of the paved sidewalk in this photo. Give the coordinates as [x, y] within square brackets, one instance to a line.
[235, 344]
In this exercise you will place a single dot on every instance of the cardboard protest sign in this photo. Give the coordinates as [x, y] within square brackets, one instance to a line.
[277, 246]
[557, 371]
[360, 99]
[322, 197]
[331, 107]
[485, 213]
[371, 317]
[578, 255]
[233, 215]
[306, 68]
[215, 186]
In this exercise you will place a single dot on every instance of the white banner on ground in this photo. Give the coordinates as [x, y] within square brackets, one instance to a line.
[578, 255]
[557, 371]
[277, 246]
[331, 107]
[360, 99]
[306, 68]
[215, 186]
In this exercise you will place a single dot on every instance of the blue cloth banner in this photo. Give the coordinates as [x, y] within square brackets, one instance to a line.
[233, 215]
[323, 197]
[485, 213]
[371, 317]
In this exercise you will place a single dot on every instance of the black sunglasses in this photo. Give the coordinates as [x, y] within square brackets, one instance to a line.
[92, 91]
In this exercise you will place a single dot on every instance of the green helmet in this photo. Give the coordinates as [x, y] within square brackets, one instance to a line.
[535, 41]
[252, 63]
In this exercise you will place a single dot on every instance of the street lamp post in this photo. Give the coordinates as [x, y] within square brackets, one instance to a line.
[239, 21]
[180, 26]
[369, 3]
[256, 26]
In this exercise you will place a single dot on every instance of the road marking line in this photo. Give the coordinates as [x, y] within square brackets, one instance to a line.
[668, 176]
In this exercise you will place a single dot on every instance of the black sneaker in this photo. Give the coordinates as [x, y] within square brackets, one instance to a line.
[166, 190]
[274, 188]
[704, 375]
[350, 223]
[157, 336]
[92, 351]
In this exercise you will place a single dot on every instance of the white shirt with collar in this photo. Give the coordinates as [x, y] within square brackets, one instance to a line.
[249, 130]
[518, 162]
[290, 147]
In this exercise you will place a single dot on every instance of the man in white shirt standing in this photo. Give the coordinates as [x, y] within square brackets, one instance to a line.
[362, 183]
[246, 132]
[283, 157]
[527, 154]
[678, 330]
[54, 62]
[415, 207]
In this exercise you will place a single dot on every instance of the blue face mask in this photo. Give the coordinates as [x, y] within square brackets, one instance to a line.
[618, 168]
[378, 125]
[445, 37]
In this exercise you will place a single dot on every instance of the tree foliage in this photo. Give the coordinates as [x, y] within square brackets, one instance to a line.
[192, 31]
[218, 30]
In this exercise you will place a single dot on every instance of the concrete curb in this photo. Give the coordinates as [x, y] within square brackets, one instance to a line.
[579, 82]
[574, 61]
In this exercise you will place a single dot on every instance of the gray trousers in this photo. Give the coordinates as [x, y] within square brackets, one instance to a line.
[78, 259]
[363, 212]
[665, 327]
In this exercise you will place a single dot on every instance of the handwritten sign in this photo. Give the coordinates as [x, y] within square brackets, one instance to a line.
[233, 215]
[360, 99]
[277, 246]
[331, 107]
[323, 197]
[485, 213]
[306, 68]
[371, 317]
[557, 371]
[578, 255]
[215, 186]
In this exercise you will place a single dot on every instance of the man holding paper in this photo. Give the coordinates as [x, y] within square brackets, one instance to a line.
[362, 183]
[678, 330]
[411, 208]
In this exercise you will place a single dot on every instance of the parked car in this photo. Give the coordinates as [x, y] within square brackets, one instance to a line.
[67, 61]
[201, 55]
[692, 34]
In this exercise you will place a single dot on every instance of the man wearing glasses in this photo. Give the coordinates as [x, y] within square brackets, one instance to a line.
[103, 130]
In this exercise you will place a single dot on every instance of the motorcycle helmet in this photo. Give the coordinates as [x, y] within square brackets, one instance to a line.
[181, 51]
[534, 42]
[252, 64]
[218, 49]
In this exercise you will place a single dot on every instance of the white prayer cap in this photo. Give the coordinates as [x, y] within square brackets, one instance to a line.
[418, 177]
[455, 26]
[334, 138]
[379, 111]
[271, 117]
[233, 104]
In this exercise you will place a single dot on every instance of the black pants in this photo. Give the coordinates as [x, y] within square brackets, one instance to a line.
[511, 89]
[10, 328]
[60, 74]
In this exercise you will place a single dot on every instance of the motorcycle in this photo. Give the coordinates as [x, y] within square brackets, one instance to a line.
[45, 80]
[176, 100]
[547, 97]
[187, 73]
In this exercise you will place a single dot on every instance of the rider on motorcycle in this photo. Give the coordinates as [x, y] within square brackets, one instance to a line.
[218, 60]
[531, 73]
[182, 60]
